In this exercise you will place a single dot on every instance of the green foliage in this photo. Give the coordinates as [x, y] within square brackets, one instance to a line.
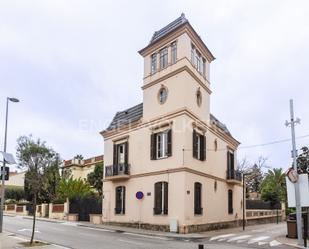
[34, 156]
[73, 188]
[79, 157]
[273, 187]
[95, 178]
[303, 161]
[14, 193]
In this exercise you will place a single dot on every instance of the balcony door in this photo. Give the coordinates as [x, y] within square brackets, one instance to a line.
[121, 154]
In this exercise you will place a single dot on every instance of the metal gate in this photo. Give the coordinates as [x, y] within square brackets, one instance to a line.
[85, 206]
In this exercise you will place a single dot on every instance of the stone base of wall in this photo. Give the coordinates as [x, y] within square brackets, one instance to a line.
[264, 220]
[147, 226]
[183, 229]
[209, 226]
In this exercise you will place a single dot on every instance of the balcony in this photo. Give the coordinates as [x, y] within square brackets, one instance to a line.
[117, 172]
[233, 176]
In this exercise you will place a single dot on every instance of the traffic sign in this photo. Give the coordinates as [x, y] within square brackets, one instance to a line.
[7, 173]
[139, 195]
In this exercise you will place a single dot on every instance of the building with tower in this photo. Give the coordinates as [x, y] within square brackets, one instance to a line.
[170, 151]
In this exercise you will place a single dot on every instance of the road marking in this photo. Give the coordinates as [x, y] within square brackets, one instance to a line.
[222, 237]
[67, 223]
[274, 243]
[242, 237]
[262, 243]
[145, 236]
[130, 242]
[98, 229]
[255, 240]
[27, 230]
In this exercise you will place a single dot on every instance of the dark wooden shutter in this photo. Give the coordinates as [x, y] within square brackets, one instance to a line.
[126, 152]
[165, 211]
[194, 147]
[153, 147]
[232, 162]
[118, 200]
[158, 198]
[230, 201]
[124, 200]
[115, 159]
[197, 198]
[202, 147]
[169, 143]
[228, 161]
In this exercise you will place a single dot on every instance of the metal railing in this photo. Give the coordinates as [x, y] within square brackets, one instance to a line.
[117, 169]
[233, 175]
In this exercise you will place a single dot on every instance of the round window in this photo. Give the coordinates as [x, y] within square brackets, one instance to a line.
[162, 95]
[199, 97]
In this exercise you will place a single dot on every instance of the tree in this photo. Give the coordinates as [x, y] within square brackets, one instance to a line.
[274, 186]
[73, 188]
[34, 156]
[254, 174]
[303, 161]
[79, 157]
[95, 178]
[254, 179]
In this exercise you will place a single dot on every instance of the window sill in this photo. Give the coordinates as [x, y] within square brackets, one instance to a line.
[120, 214]
[161, 158]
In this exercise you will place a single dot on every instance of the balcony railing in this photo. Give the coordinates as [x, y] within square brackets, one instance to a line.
[117, 171]
[233, 175]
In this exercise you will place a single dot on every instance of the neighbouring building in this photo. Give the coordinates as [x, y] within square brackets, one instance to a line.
[16, 179]
[80, 168]
[170, 151]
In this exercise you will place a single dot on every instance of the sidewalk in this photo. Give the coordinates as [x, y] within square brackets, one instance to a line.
[10, 241]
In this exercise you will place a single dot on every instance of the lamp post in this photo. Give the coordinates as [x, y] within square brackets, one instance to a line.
[3, 168]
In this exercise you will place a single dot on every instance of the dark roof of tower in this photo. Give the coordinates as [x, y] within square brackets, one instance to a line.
[168, 28]
[135, 113]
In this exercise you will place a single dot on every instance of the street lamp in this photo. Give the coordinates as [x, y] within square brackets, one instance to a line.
[4, 150]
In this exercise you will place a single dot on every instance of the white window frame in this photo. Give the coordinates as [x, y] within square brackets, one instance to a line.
[121, 159]
[162, 136]
[163, 58]
[174, 52]
[198, 146]
[153, 67]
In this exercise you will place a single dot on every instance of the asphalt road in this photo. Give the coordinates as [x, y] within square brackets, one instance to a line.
[69, 235]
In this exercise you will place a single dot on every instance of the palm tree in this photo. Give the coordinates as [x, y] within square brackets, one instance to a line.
[273, 187]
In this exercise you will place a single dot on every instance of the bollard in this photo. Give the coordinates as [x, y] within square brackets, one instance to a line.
[200, 246]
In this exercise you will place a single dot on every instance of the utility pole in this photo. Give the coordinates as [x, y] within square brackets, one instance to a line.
[4, 161]
[296, 184]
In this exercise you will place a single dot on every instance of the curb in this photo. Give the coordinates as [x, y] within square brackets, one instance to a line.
[46, 220]
[176, 237]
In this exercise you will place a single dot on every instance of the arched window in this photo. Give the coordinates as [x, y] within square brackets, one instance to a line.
[198, 198]
[230, 201]
[120, 200]
[160, 198]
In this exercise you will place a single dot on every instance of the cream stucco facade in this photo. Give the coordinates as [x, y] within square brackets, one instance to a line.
[137, 156]
[79, 169]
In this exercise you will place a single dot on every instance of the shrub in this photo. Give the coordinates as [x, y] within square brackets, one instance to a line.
[14, 193]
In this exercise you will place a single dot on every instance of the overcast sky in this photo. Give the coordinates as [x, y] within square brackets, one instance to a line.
[73, 64]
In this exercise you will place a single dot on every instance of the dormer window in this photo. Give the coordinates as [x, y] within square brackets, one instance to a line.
[153, 63]
[163, 58]
[174, 52]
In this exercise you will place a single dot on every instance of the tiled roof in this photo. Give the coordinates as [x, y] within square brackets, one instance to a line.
[219, 124]
[127, 116]
[136, 112]
[169, 28]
